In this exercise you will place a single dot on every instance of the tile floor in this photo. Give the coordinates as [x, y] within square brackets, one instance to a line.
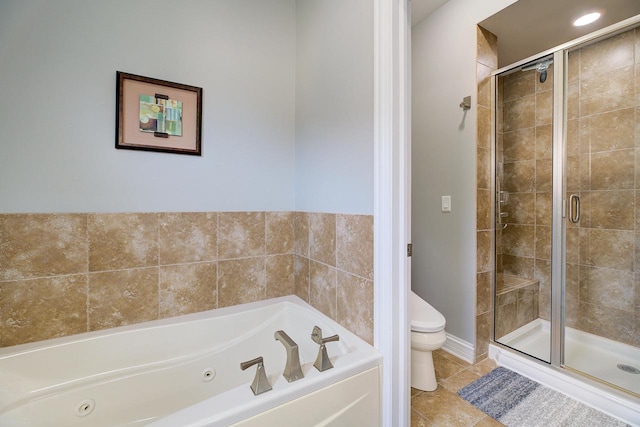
[443, 407]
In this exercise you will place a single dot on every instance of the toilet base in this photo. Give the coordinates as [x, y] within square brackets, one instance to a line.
[423, 375]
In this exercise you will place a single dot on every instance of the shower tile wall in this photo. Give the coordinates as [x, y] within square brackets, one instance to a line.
[524, 167]
[486, 63]
[62, 274]
[603, 256]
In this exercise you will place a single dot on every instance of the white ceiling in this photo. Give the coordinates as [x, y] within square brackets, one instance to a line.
[420, 9]
[528, 27]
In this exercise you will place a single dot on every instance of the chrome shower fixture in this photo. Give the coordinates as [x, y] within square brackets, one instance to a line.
[541, 67]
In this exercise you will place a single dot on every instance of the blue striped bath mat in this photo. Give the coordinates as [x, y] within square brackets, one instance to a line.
[517, 401]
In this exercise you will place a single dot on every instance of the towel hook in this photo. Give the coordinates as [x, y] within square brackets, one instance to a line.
[466, 103]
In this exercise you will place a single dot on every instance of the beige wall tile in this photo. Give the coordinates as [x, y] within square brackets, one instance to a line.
[544, 203]
[123, 240]
[484, 127]
[301, 271]
[615, 91]
[483, 334]
[483, 75]
[544, 176]
[241, 281]
[125, 297]
[542, 274]
[483, 292]
[518, 266]
[519, 240]
[608, 287]
[611, 130]
[280, 275]
[322, 238]
[483, 171]
[519, 145]
[39, 245]
[484, 254]
[608, 209]
[543, 242]
[168, 284]
[519, 85]
[355, 305]
[241, 234]
[575, 179]
[187, 288]
[187, 237]
[613, 170]
[301, 232]
[573, 137]
[544, 108]
[521, 208]
[610, 249]
[483, 211]
[613, 53]
[40, 309]
[573, 100]
[519, 114]
[637, 46]
[519, 177]
[280, 234]
[323, 288]
[354, 244]
[487, 48]
[607, 322]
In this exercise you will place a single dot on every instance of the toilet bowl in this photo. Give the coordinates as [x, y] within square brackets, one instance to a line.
[427, 335]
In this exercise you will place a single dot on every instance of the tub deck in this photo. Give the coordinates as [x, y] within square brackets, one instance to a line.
[178, 371]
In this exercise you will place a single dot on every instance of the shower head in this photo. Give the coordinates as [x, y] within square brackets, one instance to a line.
[541, 67]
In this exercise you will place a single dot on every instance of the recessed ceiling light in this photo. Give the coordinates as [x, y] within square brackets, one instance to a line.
[586, 19]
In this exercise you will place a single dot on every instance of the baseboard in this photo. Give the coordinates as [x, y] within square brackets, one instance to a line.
[616, 404]
[459, 348]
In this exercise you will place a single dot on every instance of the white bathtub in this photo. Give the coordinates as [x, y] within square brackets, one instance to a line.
[185, 371]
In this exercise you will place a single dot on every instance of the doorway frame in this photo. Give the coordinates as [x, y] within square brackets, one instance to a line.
[392, 205]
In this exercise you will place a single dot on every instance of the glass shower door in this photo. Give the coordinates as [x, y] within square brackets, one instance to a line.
[524, 157]
[602, 295]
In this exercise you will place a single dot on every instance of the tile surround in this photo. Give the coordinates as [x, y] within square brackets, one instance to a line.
[62, 274]
[603, 289]
[486, 62]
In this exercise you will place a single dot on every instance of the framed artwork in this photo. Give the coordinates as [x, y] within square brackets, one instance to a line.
[157, 115]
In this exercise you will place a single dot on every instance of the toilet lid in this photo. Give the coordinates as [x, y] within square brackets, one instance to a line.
[425, 318]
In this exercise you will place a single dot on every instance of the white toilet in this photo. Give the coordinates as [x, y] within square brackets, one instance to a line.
[427, 335]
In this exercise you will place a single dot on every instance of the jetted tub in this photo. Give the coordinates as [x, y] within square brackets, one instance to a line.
[185, 371]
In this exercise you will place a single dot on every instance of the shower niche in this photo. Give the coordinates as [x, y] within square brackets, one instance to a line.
[567, 213]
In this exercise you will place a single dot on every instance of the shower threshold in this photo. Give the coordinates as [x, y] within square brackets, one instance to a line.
[598, 357]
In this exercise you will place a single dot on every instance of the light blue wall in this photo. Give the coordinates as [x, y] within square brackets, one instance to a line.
[444, 160]
[334, 106]
[58, 62]
[260, 151]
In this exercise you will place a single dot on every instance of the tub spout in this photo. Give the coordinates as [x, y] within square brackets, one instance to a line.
[322, 362]
[292, 370]
[260, 381]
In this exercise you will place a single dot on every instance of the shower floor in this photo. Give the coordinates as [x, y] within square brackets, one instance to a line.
[590, 354]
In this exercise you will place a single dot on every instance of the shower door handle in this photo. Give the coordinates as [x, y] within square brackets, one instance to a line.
[574, 208]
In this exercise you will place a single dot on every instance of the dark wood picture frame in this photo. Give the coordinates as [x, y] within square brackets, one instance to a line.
[164, 100]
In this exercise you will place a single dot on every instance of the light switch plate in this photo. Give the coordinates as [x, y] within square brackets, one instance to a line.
[446, 203]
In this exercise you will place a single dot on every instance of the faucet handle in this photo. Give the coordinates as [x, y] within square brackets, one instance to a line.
[316, 336]
[322, 362]
[260, 382]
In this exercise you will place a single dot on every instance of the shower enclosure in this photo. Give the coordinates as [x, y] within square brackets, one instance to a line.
[567, 207]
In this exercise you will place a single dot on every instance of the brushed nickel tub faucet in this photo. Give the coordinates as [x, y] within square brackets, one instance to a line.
[292, 370]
